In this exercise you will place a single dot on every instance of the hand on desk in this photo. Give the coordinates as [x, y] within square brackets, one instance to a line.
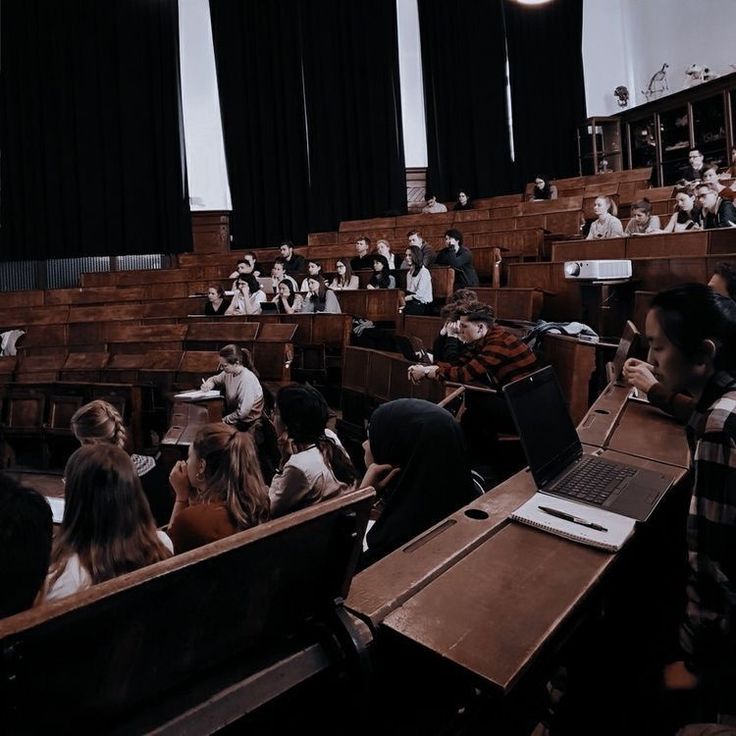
[639, 374]
[207, 384]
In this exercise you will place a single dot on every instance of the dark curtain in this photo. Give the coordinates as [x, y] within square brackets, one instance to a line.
[351, 76]
[464, 69]
[258, 58]
[547, 88]
[90, 129]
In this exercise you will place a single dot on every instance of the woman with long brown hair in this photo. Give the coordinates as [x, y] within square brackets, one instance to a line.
[219, 488]
[107, 529]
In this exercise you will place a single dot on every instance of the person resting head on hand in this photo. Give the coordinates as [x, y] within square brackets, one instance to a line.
[417, 461]
[219, 488]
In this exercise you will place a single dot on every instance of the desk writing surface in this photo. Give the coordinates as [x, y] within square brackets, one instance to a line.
[379, 589]
[493, 611]
[647, 432]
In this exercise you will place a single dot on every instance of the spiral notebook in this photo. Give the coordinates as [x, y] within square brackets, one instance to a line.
[612, 532]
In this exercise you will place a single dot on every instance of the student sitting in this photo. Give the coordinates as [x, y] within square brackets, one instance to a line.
[414, 238]
[717, 212]
[345, 279]
[248, 296]
[447, 345]
[723, 280]
[692, 335]
[454, 254]
[216, 303]
[288, 302]
[381, 278]
[314, 465]
[219, 488]
[100, 422]
[107, 529]
[25, 545]
[607, 225]
[463, 202]
[241, 387]
[383, 248]
[433, 206]
[642, 221]
[542, 189]
[687, 216]
[293, 262]
[490, 351]
[247, 264]
[278, 274]
[314, 270]
[417, 461]
[319, 298]
[363, 259]
[418, 296]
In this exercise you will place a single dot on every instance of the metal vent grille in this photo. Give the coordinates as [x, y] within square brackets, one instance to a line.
[18, 275]
[63, 273]
[140, 263]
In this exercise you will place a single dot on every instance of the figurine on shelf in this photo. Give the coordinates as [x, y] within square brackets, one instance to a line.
[696, 74]
[621, 93]
[657, 84]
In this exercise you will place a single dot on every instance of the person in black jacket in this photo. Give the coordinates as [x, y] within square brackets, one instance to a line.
[454, 254]
[717, 212]
[294, 263]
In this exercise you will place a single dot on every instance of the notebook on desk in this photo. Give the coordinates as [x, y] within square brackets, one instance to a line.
[555, 454]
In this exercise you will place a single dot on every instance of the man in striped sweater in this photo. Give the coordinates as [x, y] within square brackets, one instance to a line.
[490, 353]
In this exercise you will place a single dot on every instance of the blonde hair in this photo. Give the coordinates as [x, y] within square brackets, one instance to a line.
[98, 422]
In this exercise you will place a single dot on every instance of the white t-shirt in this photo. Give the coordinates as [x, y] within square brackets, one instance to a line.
[76, 578]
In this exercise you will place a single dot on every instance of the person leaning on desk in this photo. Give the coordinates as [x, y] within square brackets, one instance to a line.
[692, 347]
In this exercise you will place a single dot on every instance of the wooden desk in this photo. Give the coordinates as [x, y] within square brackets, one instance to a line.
[634, 428]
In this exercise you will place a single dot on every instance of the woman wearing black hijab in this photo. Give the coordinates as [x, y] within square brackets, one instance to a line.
[416, 459]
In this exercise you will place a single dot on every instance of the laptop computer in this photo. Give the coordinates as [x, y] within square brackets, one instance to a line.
[269, 308]
[555, 454]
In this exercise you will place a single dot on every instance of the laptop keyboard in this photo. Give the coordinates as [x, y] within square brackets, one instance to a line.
[594, 480]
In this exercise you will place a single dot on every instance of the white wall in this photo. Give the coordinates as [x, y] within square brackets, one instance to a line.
[606, 59]
[206, 168]
[412, 90]
[627, 41]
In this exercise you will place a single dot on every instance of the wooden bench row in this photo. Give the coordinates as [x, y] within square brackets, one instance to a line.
[245, 619]
[649, 274]
[34, 411]
[701, 243]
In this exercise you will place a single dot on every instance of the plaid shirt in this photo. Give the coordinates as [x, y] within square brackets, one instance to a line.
[708, 632]
[499, 355]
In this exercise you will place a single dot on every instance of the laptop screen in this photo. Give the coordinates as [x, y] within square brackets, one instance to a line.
[547, 433]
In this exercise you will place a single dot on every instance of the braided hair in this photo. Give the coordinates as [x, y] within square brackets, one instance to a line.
[98, 422]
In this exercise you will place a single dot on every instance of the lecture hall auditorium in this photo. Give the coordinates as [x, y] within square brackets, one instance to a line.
[162, 160]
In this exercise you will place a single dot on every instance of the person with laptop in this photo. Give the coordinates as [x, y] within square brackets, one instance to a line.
[692, 347]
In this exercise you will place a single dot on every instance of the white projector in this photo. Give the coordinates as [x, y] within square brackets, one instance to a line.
[598, 270]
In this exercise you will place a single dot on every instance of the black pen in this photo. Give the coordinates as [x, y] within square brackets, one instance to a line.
[573, 519]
